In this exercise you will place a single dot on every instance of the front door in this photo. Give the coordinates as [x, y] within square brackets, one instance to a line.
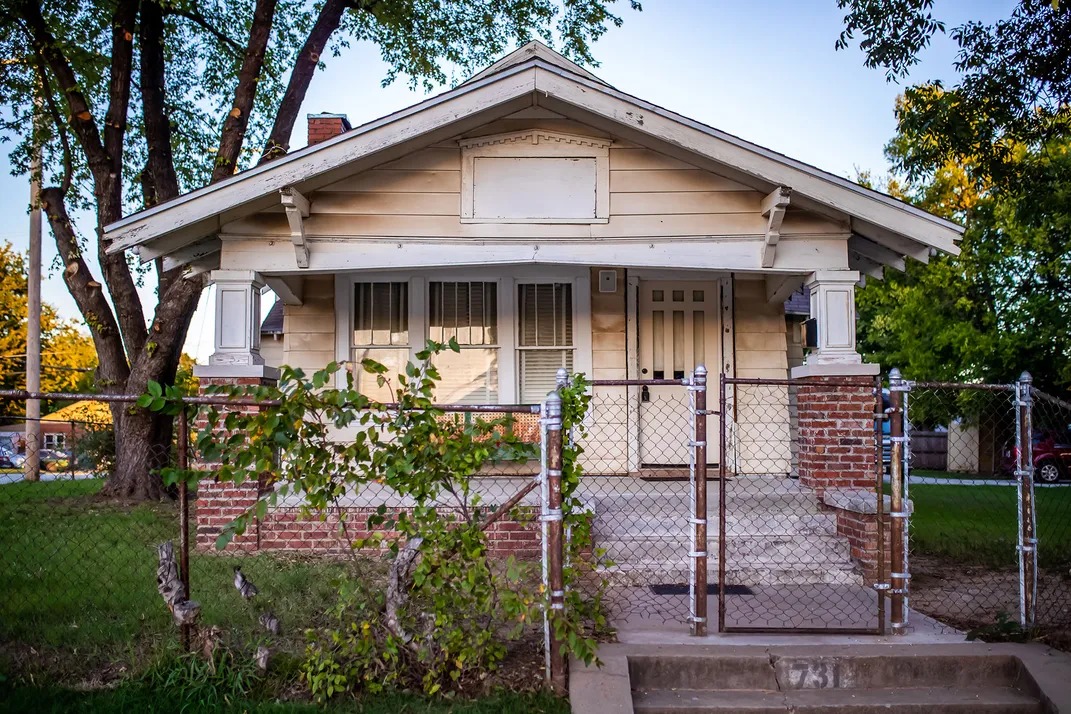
[679, 329]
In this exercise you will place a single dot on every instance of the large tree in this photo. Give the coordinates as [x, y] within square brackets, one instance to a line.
[993, 151]
[140, 100]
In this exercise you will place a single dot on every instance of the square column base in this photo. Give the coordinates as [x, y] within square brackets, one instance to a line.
[236, 371]
[836, 369]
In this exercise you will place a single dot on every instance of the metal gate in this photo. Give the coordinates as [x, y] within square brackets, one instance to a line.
[801, 516]
[648, 508]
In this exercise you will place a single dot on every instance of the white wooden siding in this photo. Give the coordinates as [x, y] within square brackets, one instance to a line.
[651, 195]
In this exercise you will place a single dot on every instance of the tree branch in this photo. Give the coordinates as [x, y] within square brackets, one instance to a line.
[106, 168]
[123, 22]
[61, 128]
[87, 293]
[301, 76]
[160, 165]
[82, 122]
[201, 21]
[234, 126]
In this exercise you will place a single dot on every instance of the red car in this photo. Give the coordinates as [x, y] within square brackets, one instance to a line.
[1052, 456]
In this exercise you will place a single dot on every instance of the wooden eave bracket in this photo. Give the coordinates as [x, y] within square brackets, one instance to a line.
[773, 209]
[297, 210]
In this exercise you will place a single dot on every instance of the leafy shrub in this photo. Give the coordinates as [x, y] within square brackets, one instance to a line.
[448, 611]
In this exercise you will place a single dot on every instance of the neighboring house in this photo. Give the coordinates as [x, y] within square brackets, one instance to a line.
[58, 427]
[544, 219]
[271, 336]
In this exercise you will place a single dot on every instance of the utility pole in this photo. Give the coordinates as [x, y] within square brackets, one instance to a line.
[32, 465]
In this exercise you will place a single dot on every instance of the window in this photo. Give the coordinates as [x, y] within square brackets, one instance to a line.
[466, 312]
[55, 441]
[380, 333]
[545, 340]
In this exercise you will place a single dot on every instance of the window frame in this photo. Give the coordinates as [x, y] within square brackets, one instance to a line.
[508, 315]
[518, 326]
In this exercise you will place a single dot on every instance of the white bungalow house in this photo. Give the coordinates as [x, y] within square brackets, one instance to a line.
[544, 219]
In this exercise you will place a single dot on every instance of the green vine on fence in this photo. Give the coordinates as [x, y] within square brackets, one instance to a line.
[584, 586]
[438, 612]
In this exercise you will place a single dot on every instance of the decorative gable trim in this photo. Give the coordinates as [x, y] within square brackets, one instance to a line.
[535, 137]
[535, 143]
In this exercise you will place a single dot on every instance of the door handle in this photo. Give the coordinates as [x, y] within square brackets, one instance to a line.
[645, 394]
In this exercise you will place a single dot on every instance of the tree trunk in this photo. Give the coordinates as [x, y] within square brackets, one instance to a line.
[301, 76]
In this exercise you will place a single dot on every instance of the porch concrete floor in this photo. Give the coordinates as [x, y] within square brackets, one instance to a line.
[820, 606]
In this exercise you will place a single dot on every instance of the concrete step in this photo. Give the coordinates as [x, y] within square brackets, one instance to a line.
[734, 501]
[643, 574]
[923, 700]
[739, 550]
[821, 670]
[667, 524]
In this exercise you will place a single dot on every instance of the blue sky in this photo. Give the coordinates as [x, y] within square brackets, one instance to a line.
[765, 71]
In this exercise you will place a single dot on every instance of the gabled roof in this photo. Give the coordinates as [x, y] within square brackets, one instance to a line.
[273, 322]
[534, 50]
[86, 412]
[182, 230]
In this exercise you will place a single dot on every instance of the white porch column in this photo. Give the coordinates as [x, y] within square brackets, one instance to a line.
[237, 333]
[833, 308]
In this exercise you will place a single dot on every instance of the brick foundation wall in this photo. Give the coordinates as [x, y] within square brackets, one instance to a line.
[837, 444]
[861, 531]
[287, 529]
[217, 504]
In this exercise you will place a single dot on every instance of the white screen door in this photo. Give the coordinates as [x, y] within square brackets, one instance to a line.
[679, 329]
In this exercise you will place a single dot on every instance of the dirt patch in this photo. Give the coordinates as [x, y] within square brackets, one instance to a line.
[965, 597]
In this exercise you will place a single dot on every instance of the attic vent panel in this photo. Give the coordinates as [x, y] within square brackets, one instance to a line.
[535, 176]
[534, 188]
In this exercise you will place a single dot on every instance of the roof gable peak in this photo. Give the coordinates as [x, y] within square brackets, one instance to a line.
[534, 50]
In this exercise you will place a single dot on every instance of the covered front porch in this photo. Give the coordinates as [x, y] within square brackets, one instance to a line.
[518, 324]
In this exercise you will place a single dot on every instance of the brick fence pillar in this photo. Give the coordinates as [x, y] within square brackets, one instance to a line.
[217, 503]
[837, 443]
[857, 522]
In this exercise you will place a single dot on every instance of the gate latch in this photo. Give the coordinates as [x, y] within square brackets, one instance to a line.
[645, 394]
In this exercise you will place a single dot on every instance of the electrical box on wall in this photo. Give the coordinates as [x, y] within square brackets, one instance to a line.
[607, 281]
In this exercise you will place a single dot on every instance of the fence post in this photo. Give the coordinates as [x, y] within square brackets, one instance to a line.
[722, 478]
[881, 582]
[184, 515]
[558, 668]
[699, 500]
[1028, 556]
[898, 578]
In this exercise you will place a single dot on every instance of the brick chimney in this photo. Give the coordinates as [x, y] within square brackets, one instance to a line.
[324, 126]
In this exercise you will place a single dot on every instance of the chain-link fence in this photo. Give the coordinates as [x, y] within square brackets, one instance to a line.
[1051, 452]
[796, 536]
[79, 565]
[638, 485]
[78, 569]
[801, 524]
[987, 465]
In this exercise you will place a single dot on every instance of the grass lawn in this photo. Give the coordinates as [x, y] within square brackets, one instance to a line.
[79, 606]
[978, 524]
[131, 698]
[80, 572]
